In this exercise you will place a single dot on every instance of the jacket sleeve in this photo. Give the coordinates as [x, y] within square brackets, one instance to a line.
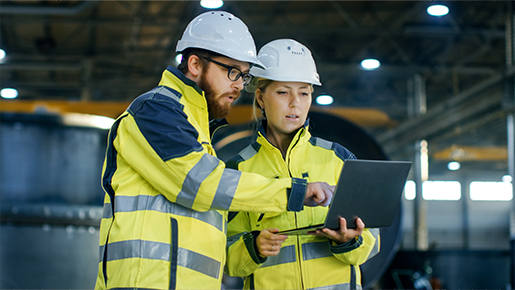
[242, 256]
[359, 250]
[156, 139]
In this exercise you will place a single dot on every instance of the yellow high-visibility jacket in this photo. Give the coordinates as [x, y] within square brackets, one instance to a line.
[167, 195]
[304, 262]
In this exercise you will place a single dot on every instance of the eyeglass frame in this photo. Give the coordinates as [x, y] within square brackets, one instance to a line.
[230, 68]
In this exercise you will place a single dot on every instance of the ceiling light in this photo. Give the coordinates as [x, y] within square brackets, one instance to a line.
[370, 63]
[324, 100]
[437, 10]
[2, 53]
[453, 165]
[9, 93]
[86, 120]
[211, 4]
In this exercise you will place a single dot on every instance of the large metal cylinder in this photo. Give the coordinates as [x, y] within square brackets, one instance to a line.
[50, 202]
[230, 140]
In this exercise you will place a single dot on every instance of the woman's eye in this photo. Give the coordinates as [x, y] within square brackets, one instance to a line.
[281, 92]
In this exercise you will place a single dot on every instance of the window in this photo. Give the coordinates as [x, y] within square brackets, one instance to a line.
[441, 190]
[434, 190]
[410, 190]
[491, 190]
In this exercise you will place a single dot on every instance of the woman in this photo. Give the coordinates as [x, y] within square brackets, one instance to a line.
[283, 146]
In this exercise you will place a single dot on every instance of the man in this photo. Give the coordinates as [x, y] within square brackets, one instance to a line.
[167, 195]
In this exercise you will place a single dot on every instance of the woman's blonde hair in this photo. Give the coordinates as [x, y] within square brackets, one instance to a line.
[261, 86]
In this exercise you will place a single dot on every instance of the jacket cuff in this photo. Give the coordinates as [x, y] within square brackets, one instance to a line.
[296, 194]
[250, 244]
[346, 247]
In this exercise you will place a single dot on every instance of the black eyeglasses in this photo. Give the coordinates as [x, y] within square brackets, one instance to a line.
[233, 73]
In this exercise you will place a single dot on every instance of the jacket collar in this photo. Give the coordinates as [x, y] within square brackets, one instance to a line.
[174, 78]
[300, 137]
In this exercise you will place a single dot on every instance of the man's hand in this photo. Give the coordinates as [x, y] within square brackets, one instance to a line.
[318, 193]
[344, 234]
[269, 244]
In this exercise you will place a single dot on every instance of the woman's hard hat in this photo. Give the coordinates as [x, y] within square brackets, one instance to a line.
[286, 60]
[220, 32]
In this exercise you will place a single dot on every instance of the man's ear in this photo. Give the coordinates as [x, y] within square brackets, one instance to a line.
[194, 65]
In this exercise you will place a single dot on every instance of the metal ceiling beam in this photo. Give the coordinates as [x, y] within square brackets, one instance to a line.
[166, 22]
[46, 10]
[41, 66]
[327, 69]
[432, 122]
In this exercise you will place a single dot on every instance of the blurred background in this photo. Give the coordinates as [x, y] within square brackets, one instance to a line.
[431, 82]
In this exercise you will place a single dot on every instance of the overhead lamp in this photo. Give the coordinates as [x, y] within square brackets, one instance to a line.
[2, 54]
[437, 10]
[324, 100]
[86, 120]
[453, 166]
[370, 63]
[9, 93]
[211, 4]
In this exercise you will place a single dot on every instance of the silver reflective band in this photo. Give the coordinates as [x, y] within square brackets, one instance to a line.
[162, 91]
[345, 286]
[198, 262]
[233, 239]
[138, 249]
[375, 250]
[194, 179]
[248, 152]
[108, 211]
[316, 250]
[101, 253]
[286, 255]
[161, 204]
[161, 251]
[226, 189]
[324, 143]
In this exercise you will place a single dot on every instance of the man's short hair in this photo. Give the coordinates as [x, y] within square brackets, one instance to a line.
[200, 53]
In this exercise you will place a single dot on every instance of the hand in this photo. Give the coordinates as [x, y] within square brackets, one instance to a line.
[318, 193]
[344, 234]
[268, 243]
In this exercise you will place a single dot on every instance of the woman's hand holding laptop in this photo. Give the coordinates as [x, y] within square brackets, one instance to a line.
[343, 234]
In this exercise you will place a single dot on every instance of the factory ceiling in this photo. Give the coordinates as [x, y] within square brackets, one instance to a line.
[448, 80]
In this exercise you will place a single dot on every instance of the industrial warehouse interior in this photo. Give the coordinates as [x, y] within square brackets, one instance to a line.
[440, 93]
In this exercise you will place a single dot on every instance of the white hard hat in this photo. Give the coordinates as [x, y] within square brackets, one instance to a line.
[287, 60]
[220, 32]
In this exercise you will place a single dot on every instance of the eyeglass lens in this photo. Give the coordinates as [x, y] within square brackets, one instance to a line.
[234, 73]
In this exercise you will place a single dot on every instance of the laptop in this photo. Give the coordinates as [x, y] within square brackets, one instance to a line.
[368, 189]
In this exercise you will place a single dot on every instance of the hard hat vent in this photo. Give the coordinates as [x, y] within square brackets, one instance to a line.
[301, 52]
[287, 60]
[220, 32]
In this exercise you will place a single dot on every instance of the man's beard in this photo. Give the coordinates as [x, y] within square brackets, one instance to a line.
[215, 109]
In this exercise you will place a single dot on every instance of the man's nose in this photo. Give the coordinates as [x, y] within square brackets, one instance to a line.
[238, 84]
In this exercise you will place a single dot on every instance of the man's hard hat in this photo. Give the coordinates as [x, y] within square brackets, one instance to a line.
[286, 60]
[220, 32]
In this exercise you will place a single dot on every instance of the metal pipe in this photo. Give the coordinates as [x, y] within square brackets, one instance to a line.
[418, 94]
[510, 126]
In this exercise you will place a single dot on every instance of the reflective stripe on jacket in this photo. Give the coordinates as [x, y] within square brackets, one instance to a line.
[304, 262]
[164, 224]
